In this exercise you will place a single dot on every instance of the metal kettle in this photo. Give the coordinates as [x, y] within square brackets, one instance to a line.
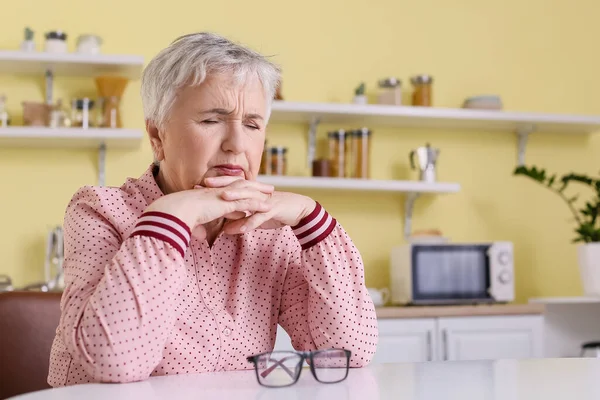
[426, 159]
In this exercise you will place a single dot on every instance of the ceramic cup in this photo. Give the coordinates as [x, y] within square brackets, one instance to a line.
[379, 296]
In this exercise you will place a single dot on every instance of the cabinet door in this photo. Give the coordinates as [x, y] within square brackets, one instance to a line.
[405, 340]
[490, 338]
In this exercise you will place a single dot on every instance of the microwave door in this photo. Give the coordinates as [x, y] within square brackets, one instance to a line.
[450, 274]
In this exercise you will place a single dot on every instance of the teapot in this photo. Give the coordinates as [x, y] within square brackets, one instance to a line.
[379, 296]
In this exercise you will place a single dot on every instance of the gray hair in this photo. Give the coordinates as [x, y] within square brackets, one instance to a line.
[189, 59]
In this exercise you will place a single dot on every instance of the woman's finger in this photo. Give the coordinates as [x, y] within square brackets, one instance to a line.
[237, 215]
[244, 193]
[251, 205]
[221, 181]
[248, 224]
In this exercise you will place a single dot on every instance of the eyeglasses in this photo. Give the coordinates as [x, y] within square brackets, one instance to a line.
[283, 368]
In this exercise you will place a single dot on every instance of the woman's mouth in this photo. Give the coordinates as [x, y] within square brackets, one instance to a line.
[230, 170]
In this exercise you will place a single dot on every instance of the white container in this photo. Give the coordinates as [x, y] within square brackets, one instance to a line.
[89, 44]
[56, 42]
[589, 267]
[390, 92]
[359, 99]
[28, 45]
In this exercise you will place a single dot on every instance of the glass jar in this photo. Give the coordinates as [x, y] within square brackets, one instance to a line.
[337, 153]
[108, 112]
[361, 150]
[422, 90]
[56, 42]
[390, 92]
[278, 160]
[80, 113]
[320, 167]
[88, 44]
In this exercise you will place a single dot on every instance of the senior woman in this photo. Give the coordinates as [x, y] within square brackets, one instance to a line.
[190, 267]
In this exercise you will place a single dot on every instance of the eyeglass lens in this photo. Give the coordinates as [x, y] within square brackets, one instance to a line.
[330, 366]
[278, 368]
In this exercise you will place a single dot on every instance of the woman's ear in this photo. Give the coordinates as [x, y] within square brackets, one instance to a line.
[155, 140]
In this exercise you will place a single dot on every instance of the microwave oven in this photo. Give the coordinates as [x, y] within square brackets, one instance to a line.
[452, 273]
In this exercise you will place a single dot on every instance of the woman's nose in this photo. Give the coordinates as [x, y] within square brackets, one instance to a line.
[234, 138]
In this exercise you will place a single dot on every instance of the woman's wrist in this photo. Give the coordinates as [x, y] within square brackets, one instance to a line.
[314, 227]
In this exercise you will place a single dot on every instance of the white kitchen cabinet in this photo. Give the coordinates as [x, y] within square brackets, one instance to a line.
[490, 338]
[406, 340]
[452, 338]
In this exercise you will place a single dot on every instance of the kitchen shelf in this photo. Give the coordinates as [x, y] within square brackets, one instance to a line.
[432, 117]
[91, 138]
[371, 185]
[565, 300]
[70, 64]
[521, 123]
[43, 137]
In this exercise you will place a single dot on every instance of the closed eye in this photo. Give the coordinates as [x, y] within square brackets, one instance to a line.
[253, 127]
[210, 121]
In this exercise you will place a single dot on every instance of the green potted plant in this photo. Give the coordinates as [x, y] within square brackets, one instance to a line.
[587, 220]
[359, 94]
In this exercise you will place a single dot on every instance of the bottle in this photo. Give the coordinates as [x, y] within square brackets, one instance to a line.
[361, 150]
[278, 160]
[422, 90]
[337, 153]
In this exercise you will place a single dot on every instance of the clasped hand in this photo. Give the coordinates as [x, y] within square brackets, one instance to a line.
[246, 205]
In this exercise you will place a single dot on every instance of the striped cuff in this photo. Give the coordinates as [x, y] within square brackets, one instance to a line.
[314, 227]
[164, 227]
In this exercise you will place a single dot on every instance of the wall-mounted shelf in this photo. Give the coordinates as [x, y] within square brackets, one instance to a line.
[370, 185]
[70, 64]
[91, 138]
[42, 137]
[521, 123]
[75, 65]
[413, 189]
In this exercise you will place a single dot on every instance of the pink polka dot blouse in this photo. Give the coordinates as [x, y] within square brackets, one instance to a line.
[144, 298]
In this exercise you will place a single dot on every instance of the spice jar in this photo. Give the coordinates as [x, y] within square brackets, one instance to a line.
[80, 113]
[56, 42]
[36, 113]
[361, 150]
[320, 167]
[390, 92]
[337, 153]
[422, 90]
[278, 160]
[89, 44]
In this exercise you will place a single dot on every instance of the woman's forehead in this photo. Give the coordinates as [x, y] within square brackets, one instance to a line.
[226, 93]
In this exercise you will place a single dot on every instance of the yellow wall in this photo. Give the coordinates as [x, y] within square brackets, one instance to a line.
[538, 55]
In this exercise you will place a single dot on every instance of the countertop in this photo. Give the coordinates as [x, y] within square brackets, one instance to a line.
[459, 311]
[547, 379]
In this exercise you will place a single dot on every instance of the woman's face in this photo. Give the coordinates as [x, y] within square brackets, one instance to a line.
[214, 129]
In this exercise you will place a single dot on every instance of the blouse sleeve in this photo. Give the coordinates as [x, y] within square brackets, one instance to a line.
[325, 303]
[118, 303]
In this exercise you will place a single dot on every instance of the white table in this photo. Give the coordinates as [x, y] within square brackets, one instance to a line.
[541, 379]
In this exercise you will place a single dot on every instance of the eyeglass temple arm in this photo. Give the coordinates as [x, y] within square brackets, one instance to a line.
[278, 363]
